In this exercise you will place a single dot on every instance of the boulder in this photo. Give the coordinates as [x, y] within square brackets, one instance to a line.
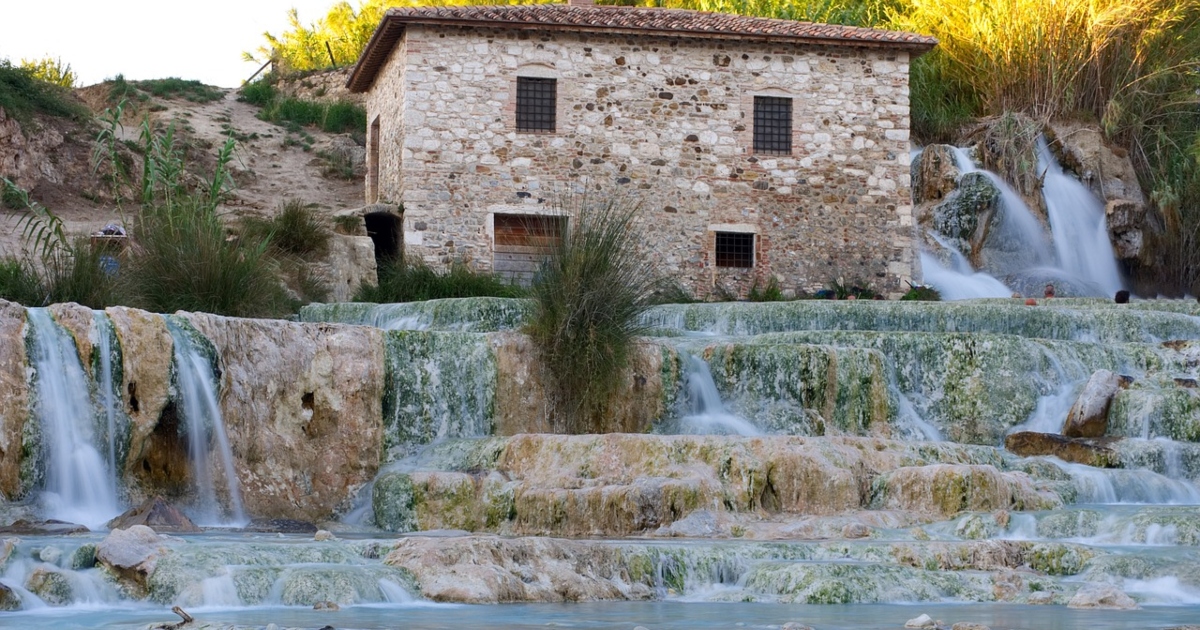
[1088, 417]
[349, 263]
[1106, 170]
[280, 526]
[131, 555]
[1090, 452]
[1104, 596]
[8, 599]
[156, 514]
[965, 217]
[490, 569]
[51, 586]
[934, 173]
[1126, 220]
[924, 621]
[966, 625]
[49, 527]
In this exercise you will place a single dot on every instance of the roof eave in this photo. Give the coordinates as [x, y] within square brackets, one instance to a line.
[372, 60]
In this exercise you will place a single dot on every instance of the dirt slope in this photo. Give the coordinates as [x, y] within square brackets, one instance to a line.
[271, 165]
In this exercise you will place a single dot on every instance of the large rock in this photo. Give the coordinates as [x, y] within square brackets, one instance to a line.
[966, 216]
[934, 173]
[14, 412]
[302, 405]
[8, 599]
[156, 514]
[947, 489]
[1104, 596]
[1077, 450]
[349, 263]
[490, 570]
[48, 527]
[53, 587]
[1088, 417]
[132, 555]
[1106, 169]
[26, 154]
[1126, 221]
[155, 458]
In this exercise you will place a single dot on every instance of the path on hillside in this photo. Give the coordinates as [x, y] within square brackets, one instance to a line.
[267, 171]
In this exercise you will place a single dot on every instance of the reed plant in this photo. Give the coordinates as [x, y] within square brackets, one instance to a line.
[588, 298]
[296, 229]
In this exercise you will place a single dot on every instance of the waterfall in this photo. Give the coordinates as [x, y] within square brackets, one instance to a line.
[1101, 485]
[202, 412]
[106, 390]
[706, 411]
[80, 487]
[1077, 223]
[1077, 251]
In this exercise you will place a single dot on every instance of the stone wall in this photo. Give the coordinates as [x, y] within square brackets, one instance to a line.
[668, 123]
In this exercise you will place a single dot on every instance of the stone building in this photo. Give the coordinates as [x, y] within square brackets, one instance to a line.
[756, 148]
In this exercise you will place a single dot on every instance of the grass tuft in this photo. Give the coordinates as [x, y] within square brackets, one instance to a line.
[588, 297]
[22, 95]
[414, 281]
[296, 229]
[174, 87]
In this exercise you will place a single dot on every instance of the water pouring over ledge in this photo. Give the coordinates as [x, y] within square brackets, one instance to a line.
[1076, 252]
[81, 486]
[202, 414]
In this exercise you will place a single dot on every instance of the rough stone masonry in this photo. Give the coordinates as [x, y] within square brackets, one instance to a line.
[661, 119]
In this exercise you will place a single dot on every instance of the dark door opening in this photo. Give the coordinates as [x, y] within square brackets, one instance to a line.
[387, 231]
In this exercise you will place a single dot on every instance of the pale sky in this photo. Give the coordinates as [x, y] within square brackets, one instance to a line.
[148, 39]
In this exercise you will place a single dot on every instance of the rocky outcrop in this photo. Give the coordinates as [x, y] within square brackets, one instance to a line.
[523, 406]
[302, 407]
[934, 173]
[1105, 169]
[156, 514]
[49, 527]
[1105, 596]
[1088, 417]
[620, 484]
[947, 489]
[8, 599]
[349, 263]
[1076, 450]
[78, 321]
[131, 555]
[1127, 223]
[490, 570]
[25, 157]
[146, 353]
[14, 413]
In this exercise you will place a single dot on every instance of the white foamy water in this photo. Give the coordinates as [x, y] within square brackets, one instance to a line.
[80, 485]
[1101, 485]
[202, 414]
[706, 411]
[1077, 222]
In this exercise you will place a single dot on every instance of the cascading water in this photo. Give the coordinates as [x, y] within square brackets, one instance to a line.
[106, 392]
[202, 414]
[1077, 251]
[80, 487]
[706, 411]
[1077, 222]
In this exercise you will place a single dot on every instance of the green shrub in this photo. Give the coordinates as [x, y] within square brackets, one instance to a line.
[260, 93]
[19, 283]
[296, 229]
[343, 117]
[413, 281]
[85, 275]
[22, 95]
[772, 292]
[51, 70]
[184, 261]
[588, 297]
[174, 87]
[921, 293]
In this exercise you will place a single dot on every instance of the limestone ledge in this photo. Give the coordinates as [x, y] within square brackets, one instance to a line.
[621, 484]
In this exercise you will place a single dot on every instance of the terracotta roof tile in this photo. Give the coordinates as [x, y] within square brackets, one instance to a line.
[640, 20]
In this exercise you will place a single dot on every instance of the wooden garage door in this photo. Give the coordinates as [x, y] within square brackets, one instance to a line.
[522, 241]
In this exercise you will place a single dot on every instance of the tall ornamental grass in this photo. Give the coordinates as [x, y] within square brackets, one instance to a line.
[588, 297]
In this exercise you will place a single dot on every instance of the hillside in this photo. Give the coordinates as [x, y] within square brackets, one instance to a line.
[52, 158]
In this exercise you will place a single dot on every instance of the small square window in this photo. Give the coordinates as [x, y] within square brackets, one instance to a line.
[772, 125]
[536, 104]
[735, 249]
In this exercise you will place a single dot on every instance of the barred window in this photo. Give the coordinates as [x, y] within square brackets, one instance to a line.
[772, 124]
[735, 249]
[536, 104]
